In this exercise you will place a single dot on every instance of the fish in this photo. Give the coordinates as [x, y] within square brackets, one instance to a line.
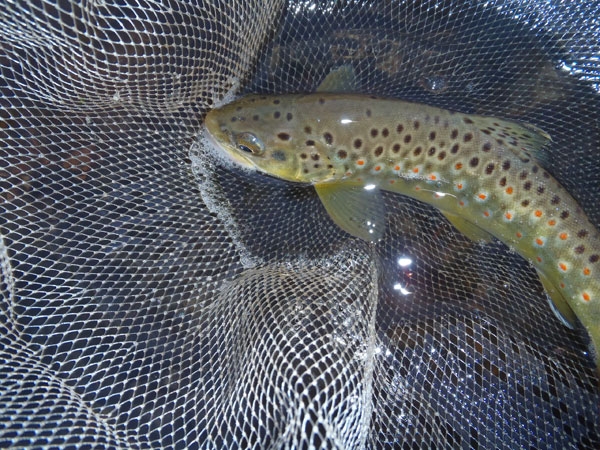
[486, 175]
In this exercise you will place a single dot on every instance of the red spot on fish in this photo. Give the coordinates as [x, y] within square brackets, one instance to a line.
[538, 259]
[377, 169]
[509, 190]
[360, 162]
[508, 215]
[432, 177]
[392, 181]
[458, 166]
[397, 168]
[586, 296]
[563, 236]
[486, 213]
[417, 188]
[459, 186]
[586, 271]
[482, 196]
[538, 213]
[519, 234]
[552, 223]
[538, 241]
[461, 203]
[348, 174]
[416, 170]
[562, 266]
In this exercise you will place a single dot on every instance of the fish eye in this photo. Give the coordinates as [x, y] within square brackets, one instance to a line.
[248, 143]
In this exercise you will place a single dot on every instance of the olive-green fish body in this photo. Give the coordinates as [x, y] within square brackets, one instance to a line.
[480, 172]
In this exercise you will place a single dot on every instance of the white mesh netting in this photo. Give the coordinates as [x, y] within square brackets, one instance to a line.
[153, 298]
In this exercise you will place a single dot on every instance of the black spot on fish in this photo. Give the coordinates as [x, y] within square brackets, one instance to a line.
[594, 258]
[328, 138]
[277, 114]
[416, 124]
[357, 143]
[432, 136]
[399, 128]
[368, 112]
[579, 249]
[385, 132]
[467, 120]
[316, 166]
[234, 119]
[374, 132]
[500, 141]
[555, 200]
[454, 148]
[407, 138]
[289, 116]
[436, 119]
[378, 151]
[488, 132]
[502, 181]
[523, 175]
[329, 166]
[535, 169]
[454, 134]
[279, 155]
[307, 130]
[342, 154]
[541, 189]
[468, 137]
[315, 156]
[417, 151]
[486, 147]
[582, 233]
[564, 214]
[310, 143]
[527, 185]
[303, 155]
[474, 161]
[276, 102]
[396, 148]
[431, 151]
[255, 117]
[525, 203]
[545, 174]
[442, 155]
[321, 100]
[489, 168]
[506, 165]
[283, 136]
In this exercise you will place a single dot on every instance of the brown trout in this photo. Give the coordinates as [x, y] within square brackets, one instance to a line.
[480, 172]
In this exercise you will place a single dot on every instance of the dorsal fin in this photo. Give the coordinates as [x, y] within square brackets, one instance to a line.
[342, 79]
[524, 140]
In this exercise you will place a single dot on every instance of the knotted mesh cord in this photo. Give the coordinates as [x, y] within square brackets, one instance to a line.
[152, 298]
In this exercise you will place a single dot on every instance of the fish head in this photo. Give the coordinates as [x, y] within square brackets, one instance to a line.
[262, 133]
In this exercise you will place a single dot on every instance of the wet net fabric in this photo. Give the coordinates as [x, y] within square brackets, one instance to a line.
[153, 298]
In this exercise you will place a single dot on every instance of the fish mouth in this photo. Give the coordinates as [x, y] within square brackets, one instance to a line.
[224, 141]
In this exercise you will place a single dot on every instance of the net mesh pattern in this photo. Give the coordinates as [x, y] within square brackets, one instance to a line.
[152, 297]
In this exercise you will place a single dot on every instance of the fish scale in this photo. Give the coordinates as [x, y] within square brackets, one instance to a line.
[480, 172]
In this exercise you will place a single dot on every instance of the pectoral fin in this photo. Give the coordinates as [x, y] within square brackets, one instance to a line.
[354, 209]
[558, 303]
[467, 228]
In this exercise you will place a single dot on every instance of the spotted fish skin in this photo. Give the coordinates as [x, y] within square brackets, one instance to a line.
[477, 169]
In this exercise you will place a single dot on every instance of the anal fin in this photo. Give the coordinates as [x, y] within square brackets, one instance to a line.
[558, 303]
[467, 228]
[356, 210]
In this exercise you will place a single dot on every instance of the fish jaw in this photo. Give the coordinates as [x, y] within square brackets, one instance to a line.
[223, 141]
